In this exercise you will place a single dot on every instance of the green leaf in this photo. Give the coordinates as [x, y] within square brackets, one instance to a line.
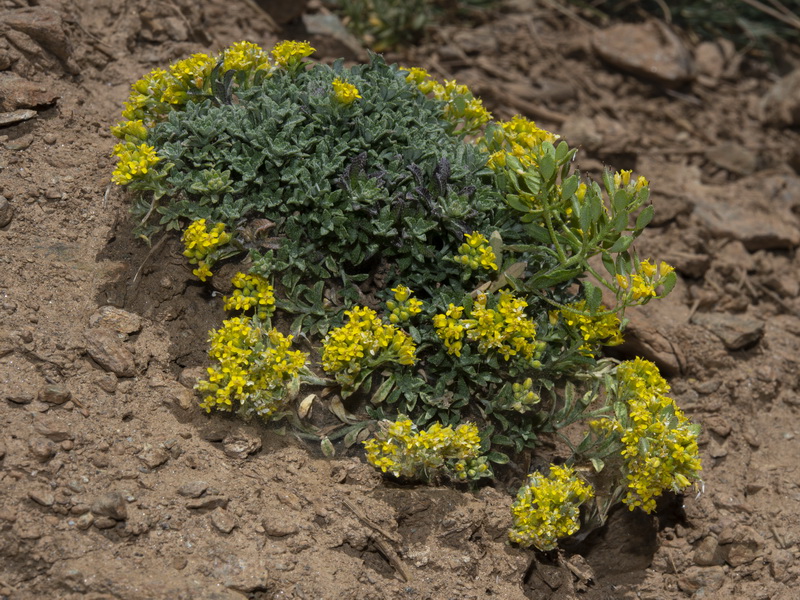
[498, 458]
[644, 218]
[569, 186]
[669, 283]
[547, 167]
[608, 263]
[622, 244]
[620, 201]
[517, 203]
[593, 294]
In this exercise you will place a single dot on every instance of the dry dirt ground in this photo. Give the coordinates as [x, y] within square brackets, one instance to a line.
[114, 484]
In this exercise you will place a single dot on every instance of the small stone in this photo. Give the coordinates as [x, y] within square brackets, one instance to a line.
[708, 553]
[20, 397]
[110, 505]
[67, 445]
[222, 520]
[715, 450]
[104, 523]
[55, 394]
[16, 93]
[100, 460]
[193, 489]
[179, 563]
[84, 521]
[6, 212]
[42, 496]
[42, 449]
[107, 350]
[207, 502]
[743, 545]
[718, 425]
[49, 138]
[153, 457]
[16, 116]
[289, 499]
[108, 382]
[709, 60]
[53, 194]
[116, 319]
[781, 104]
[184, 398]
[278, 527]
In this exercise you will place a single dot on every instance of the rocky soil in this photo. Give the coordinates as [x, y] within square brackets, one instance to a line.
[114, 484]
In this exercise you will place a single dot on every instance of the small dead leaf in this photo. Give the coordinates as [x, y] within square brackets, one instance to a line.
[327, 447]
[305, 406]
[337, 408]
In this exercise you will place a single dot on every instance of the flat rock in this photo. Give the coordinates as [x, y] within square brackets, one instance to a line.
[16, 116]
[735, 331]
[733, 157]
[42, 496]
[647, 50]
[109, 351]
[207, 502]
[52, 428]
[709, 579]
[116, 319]
[277, 527]
[781, 104]
[16, 93]
[193, 489]
[111, 505]
[6, 216]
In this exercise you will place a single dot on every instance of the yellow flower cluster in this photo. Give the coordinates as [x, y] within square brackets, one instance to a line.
[594, 330]
[345, 93]
[400, 449]
[134, 162]
[364, 342]
[291, 53]
[251, 291]
[505, 329]
[518, 137]
[245, 56]
[660, 450]
[476, 253]
[130, 131]
[403, 307]
[548, 508]
[460, 104]
[255, 368]
[643, 283]
[199, 242]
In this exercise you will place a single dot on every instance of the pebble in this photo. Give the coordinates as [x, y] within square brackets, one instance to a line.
[104, 523]
[153, 456]
[278, 527]
[52, 428]
[42, 496]
[85, 521]
[111, 505]
[223, 520]
[6, 212]
[710, 579]
[107, 350]
[43, 449]
[20, 397]
[193, 489]
[49, 138]
[107, 382]
[55, 394]
[191, 375]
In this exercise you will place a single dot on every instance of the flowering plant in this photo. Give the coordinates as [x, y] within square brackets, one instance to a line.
[438, 266]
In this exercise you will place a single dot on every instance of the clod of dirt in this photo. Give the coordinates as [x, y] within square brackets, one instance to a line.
[222, 520]
[649, 50]
[117, 319]
[55, 394]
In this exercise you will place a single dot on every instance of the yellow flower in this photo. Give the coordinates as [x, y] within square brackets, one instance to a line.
[548, 508]
[403, 307]
[647, 268]
[202, 272]
[476, 253]
[251, 291]
[289, 53]
[245, 56]
[344, 92]
[134, 162]
[400, 449]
